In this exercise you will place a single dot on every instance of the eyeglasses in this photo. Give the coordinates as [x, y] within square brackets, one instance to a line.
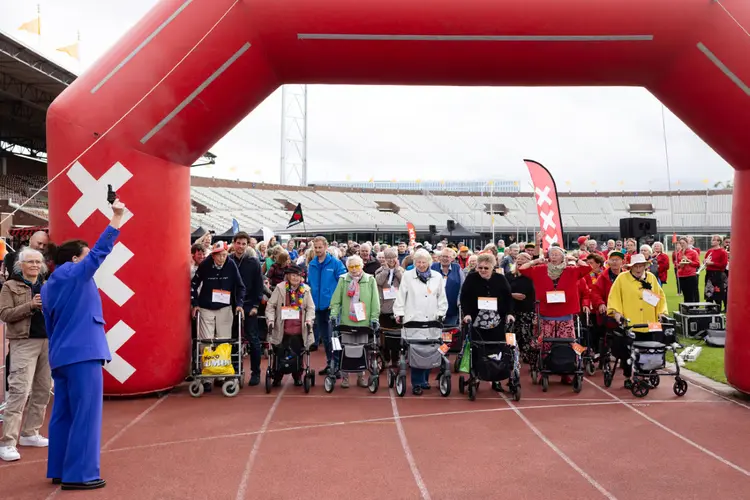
[355, 266]
[484, 268]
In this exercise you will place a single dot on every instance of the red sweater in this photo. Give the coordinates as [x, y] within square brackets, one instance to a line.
[688, 269]
[567, 283]
[584, 292]
[719, 259]
[663, 260]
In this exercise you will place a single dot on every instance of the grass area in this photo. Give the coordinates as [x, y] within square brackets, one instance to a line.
[711, 361]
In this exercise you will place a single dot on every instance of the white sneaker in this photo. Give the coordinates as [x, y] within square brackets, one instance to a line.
[37, 441]
[9, 453]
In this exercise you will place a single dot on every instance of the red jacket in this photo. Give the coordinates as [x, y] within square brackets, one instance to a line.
[567, 283]
[663, 260]
[584, 291]
[719, 259]
[628, 256]
[688, 269]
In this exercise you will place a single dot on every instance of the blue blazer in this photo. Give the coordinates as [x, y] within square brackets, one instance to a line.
[72, 308]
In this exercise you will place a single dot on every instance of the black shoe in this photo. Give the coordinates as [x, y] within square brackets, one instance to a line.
[417, 391]
[254, 379]
[313, 347]
[56, 480]
[426, 386]
[277, 382]
[323, 372]
[297, 382]
[88, 485]
[497, 387]
[208, 387]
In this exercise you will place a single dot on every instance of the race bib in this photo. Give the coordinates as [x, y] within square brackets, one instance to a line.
[650, 298]
[487, 303]
[556, 297]
[359, 311]
[290, 313]
[444, 348]
[654, 327]
[221, 296]
[578, 348]
[510, 338]
[390, 293]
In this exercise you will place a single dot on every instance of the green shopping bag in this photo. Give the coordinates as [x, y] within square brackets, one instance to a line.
[463, 367]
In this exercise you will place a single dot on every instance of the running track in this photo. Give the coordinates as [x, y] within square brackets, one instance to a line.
[601, 443]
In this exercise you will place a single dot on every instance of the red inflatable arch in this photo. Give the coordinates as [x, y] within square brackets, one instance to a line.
[192, 69]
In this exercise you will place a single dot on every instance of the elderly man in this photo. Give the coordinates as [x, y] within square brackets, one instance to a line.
[370, 264]
[508, 263]
[454, 280]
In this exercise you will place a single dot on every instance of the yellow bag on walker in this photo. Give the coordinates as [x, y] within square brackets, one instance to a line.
[218, 361]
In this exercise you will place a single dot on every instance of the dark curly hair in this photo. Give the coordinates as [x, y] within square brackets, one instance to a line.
[65, 252]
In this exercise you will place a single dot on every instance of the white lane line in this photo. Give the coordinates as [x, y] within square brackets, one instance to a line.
[137, 419]
[674, 433]
[407, 451]
[141, 46]
[119, 120]
[475, 38]
[242, 489]
[723, 68]
[726, 398]
[558, 451]
[216, 74]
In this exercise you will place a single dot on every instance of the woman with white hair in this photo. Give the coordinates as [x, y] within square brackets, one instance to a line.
[662, 260]
[648, 254]
[421, 298]
[29, 377]
[389, 279]
[556, 286]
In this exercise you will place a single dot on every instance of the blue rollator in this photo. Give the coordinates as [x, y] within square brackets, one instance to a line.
[422, 348]
[491, 361]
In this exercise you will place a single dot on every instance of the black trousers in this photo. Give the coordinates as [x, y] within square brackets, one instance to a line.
[689, 287]
[296, 345]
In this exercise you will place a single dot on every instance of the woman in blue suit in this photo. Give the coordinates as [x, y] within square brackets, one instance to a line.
[78, 349]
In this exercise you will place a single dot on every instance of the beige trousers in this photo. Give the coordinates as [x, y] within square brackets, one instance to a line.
[29, 379]
[215, 324]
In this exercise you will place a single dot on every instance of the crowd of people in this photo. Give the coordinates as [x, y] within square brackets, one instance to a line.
[322, 283]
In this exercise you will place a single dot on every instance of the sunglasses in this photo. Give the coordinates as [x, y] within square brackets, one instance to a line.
[355, 266]
[484, 268]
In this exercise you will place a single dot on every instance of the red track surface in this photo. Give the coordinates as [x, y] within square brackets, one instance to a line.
[601, 443]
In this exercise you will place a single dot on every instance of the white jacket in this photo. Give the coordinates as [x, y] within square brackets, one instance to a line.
[417, 301]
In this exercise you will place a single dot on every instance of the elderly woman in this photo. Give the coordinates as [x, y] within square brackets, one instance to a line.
[637, 296]
[471, 264]
[454, 280]
[716, 261]
[648, 254]
[421, 298]
[281, 261]
[487, 316]
[508, 262]
[290, 313]
[524, 299]
[72, 309]
[29, 378]
[557, 290]
[388, 279]
[662, 260]
[355, 302]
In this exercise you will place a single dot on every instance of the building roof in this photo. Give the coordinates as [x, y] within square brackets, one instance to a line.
[29, 82]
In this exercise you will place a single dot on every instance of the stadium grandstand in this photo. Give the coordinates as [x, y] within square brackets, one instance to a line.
[475, 186]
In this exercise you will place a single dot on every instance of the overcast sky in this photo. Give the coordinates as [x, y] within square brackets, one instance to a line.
[355, 133]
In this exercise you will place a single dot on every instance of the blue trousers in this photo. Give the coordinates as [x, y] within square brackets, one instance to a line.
[75, 428]
[322, 331]
[252, 335]
[419, 377]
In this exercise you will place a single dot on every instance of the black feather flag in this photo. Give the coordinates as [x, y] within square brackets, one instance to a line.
[296, 217]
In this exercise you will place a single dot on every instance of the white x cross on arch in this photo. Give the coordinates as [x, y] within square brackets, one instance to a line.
[551, 240]
[116, 338]
[543, 196]
[94, 192]
[547, 219]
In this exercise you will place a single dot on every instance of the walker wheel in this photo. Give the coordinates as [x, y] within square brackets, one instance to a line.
[461, 384]
[607, 379]
[640, 389]
[401, 385]
[230, 388]
[629, 384]
[578, 383]
[535, 377]
[373, 384]
[590, 368]
[306, 383]
[196, 388]
[472, 392]
[654, 380]
[329, 384]
[680, 387]
[517, 393]
[457, 364]
[545, 383]
[391, 378]
[268, 381]
[445, 385]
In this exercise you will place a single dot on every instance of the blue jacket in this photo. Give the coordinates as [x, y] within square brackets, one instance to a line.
[323, 278]
[227, 278]
[453, 282]
[72, 308]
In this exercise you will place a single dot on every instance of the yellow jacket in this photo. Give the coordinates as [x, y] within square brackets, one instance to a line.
[626, 298]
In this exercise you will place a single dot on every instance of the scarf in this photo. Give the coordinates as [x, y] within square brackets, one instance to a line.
[296, 297]
[554, 271]
[424, 277]
[353, 293]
